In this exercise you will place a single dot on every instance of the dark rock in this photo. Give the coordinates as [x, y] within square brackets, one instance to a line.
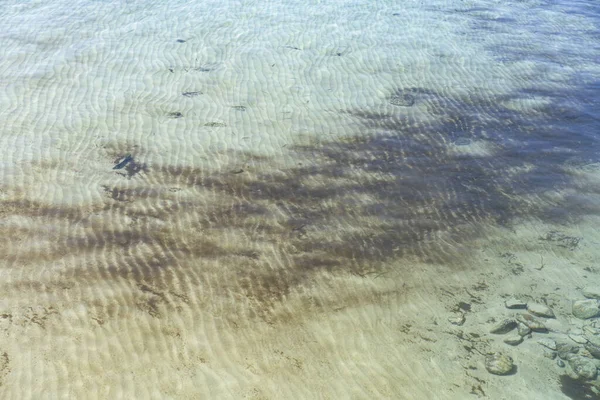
[504, 326]
[514, 303]
[192, 94]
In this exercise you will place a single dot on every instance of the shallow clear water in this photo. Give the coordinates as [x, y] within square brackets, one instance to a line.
[298, 199]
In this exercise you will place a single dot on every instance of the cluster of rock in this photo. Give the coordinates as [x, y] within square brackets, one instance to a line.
[578, 350]
[525, 324]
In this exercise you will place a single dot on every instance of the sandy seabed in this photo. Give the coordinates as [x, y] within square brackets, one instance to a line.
[292, 200]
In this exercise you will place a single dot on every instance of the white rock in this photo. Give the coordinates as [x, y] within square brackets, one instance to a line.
[585, 309]
[592, 292]
[541, 310]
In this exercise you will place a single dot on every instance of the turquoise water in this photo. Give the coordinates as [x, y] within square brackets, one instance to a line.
[298, 199]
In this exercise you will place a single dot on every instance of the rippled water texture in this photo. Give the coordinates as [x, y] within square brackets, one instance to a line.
[275, 200]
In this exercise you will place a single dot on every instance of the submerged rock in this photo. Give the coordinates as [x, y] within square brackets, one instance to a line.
[523, 330]
[541, 310]
[566, 350]
[575, 389]
[123, 161]
[174, 114]
[504, 326]
[583, 367]
[585, 309]
[457, 319]
[192, 94]
[592, 292]
[499, 364]
[591, 331]
[402, 99]
[513, 340]
[532, 323]
[576, 335]
[548, 343]
[514, 303]
[593, 349]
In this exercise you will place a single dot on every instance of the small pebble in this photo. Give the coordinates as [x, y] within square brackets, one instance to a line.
[514, 303]
[499, 364]
[504, 326]
[585, 309]
[592, 292]
[513, 340]
[541, 310]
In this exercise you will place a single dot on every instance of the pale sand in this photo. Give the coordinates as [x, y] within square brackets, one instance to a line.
[264, 248]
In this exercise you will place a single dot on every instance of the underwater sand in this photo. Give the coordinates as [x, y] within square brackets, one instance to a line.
[313, 190]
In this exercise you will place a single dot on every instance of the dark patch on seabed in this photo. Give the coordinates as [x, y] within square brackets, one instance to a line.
[127, 165]
[399, 192]
[576, 389]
